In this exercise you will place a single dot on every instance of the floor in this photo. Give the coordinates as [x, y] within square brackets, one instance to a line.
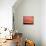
[9, 43]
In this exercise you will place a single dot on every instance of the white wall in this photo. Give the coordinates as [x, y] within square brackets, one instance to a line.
[29, 8]
[40, 20]
[43, 22]
[6, 13]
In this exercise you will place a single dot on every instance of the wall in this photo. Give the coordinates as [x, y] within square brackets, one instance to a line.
[28, 8]
[6, 13]
[43, 22]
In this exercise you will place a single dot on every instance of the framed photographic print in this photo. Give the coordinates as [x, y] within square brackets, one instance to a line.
[28, 20]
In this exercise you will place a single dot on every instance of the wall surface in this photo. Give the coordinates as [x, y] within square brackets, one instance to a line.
[43, 22]
[6, 13]
[29, 8]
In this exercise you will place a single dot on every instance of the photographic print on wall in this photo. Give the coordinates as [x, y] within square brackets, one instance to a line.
[29, 20]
